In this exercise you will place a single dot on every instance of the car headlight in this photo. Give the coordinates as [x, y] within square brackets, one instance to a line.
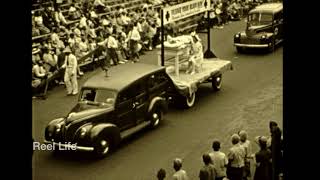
[237, 35]
[58, 127]
[83, 132]
[263, 36]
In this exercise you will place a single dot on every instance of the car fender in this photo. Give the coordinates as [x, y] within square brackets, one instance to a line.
[55, 121]
[158, 101]
[108, 128]
[216, 74]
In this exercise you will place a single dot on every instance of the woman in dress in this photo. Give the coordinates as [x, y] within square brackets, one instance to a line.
[263, 161]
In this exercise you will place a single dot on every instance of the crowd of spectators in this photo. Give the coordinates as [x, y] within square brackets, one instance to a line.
[115, 35]
[238, 162]
[223, 11]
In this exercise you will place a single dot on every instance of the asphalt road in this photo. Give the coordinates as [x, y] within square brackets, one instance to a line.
[251, 95]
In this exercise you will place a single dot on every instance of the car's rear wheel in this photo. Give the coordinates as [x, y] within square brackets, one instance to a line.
[217, 83]
[189, 100]
[156, 117]
[102, 146]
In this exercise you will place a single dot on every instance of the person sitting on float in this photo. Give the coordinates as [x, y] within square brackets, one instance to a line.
[196, 57]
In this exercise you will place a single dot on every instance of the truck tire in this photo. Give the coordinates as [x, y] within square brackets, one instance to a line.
[189, 100]
[216, 82]
[102, 145]
[156, 116]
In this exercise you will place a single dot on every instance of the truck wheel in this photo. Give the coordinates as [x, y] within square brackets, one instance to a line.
[216, 83]
[189, 101]
[102, 146]
[156, 117]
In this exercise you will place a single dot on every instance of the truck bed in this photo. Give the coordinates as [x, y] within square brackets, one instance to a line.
[186, 84]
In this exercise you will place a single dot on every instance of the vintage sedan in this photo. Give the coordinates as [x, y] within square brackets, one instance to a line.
[110, 109]
[264, 28]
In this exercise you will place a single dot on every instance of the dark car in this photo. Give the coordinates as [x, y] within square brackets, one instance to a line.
[112, 108]
[264, 28]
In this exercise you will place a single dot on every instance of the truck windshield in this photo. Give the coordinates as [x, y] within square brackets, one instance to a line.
[98, 96]
[258, 19]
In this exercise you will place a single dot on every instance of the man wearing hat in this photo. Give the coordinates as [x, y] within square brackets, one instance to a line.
[70, 75]
[236, 157]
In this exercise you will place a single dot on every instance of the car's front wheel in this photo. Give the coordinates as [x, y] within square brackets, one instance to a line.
[102, 146]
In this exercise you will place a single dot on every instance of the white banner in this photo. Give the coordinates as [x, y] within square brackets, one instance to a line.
[183, 10]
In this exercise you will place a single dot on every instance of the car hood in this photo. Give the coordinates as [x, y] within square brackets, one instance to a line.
[254, 30]
[82, 111]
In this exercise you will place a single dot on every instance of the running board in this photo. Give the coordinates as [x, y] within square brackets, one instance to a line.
[133, 130]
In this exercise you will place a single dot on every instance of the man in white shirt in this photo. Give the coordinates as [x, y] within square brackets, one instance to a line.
[236, 157]
[245, 143]
[220, 161]
[112, 46]
[134, 39]
[70, 76]
[180, 174]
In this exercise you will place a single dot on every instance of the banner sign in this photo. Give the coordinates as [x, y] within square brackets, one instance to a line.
[183, 10]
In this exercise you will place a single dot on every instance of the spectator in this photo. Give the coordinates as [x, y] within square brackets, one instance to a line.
[218, 12]
[83, 22]
[35, 30]
[161, 175]
[54, 36]
[39, 75]
[151, 32]
[220, 161]
[276, 149]
[59, 17]
[60, 62]
[263, 160]
[35, 55]
[70, 76]
[39, 23]
[113, 19]
[134, 42]
[180, 174]
[207, 172]
[245, 143]
[236, 159]
[73, 13]
[99, 6]
[83, 47]
[123, 45]
[92, 32]
[112, 46]
[48, 17]
[50, 60]
[71, 41]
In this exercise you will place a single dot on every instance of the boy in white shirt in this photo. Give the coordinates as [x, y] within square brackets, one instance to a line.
[220, 161]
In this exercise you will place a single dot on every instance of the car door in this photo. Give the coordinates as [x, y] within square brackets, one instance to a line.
[141, 102]
[158, 84]
[125, 109]
[278, 27]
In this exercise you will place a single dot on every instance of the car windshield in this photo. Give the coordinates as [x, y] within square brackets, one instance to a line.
[258, 19]
[98, 96]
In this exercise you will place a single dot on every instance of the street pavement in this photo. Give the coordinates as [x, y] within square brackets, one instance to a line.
[250, 97]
